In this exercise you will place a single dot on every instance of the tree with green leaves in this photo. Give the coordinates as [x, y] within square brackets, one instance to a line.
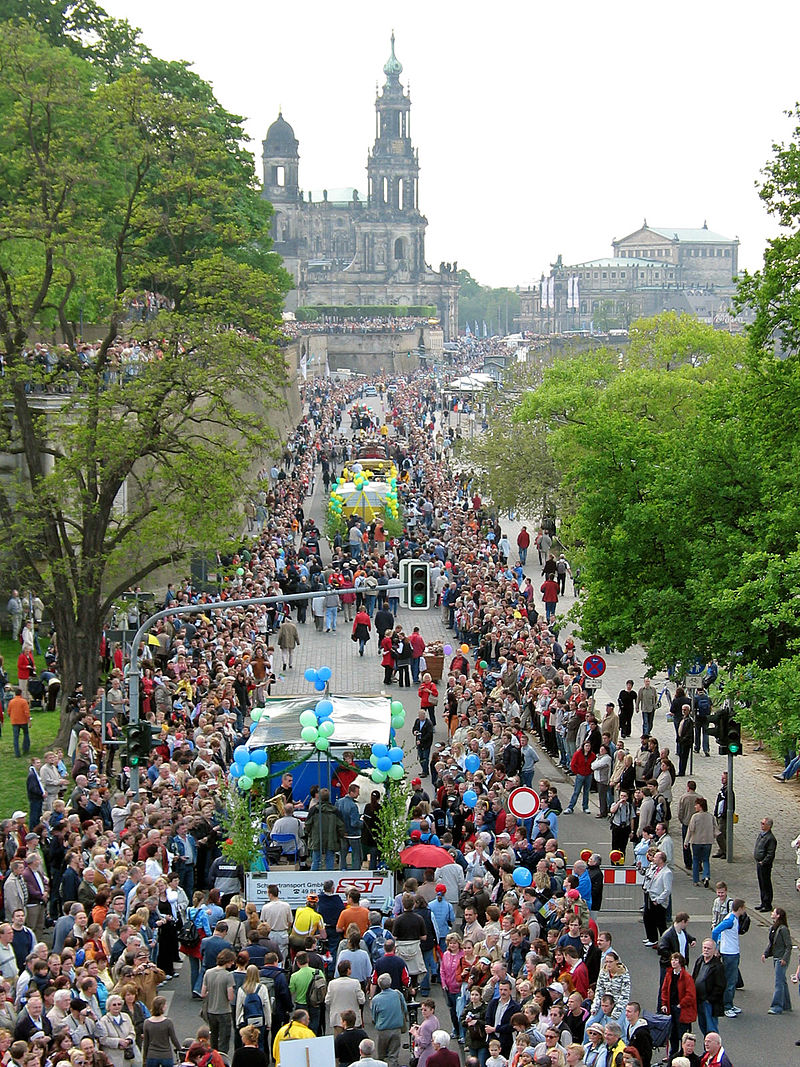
[391, 831]
[136, 452]
[498, 308]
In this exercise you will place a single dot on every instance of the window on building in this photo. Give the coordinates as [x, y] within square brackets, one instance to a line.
[671, 274]
[399, 248]
[613, 274]
[657, 274]
[605, 273]
[597, 274]
[727, 252]
[622, 273]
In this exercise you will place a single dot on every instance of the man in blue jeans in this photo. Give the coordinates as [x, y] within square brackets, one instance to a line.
[726, 936]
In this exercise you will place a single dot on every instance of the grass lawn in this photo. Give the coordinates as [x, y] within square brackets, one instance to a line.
[43, 730]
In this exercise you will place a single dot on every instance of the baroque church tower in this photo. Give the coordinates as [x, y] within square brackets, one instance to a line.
[345, 249]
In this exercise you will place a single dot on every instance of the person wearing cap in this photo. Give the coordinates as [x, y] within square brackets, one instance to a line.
[307, 923]
[443, 914]
[594, 1049]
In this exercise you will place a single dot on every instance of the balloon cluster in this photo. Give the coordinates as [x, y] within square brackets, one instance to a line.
[319, 677]
[391, 498]
[386, 763]
[316, 724]
[336, 500]
[248, 766]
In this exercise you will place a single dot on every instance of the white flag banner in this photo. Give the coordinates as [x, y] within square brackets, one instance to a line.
[543, 292]
[304, 367]
[576, 294]
[551, 291]
[327, 367]
[570, 281]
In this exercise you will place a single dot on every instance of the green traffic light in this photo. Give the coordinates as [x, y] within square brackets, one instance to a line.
[419, 598]
[733, 749]
[134, 761]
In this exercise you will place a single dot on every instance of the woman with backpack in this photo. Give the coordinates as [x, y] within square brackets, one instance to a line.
[190, 937]
[253, 1006]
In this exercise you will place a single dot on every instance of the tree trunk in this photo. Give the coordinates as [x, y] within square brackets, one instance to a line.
[79, 657]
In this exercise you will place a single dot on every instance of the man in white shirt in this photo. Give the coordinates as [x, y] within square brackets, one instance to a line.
[8, 961]
[278, 915]
[288, 823]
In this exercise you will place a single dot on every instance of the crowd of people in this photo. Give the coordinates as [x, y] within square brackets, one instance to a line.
[507, 924]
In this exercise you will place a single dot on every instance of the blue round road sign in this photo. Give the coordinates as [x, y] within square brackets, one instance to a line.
[594, 666]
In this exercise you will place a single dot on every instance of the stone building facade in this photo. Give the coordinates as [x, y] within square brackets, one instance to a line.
[652, 270]
[344, 249]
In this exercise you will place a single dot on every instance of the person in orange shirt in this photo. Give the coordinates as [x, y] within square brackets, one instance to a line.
[353, 913]
[19, 715]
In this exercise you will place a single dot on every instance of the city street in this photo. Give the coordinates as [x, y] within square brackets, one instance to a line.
[756, 792]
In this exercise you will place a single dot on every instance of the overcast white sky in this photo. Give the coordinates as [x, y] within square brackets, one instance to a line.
[541, 127]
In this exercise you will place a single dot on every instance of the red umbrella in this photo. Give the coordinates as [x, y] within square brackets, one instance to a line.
[425, 856]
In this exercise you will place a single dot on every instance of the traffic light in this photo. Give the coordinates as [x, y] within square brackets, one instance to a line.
[734, 738]
[718, 727]
[418, 585]
[138, 742]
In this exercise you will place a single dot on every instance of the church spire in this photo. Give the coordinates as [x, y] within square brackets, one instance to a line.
[392, 67]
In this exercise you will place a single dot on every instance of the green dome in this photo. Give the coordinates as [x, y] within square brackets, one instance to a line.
[392, 64]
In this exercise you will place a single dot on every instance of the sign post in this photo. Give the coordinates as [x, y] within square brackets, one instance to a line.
[594, 667]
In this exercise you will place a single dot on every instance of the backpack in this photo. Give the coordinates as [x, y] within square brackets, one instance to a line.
[377, 945]
[253, 1011]
[188, 934]
[702, 703]
[744, 923]
[561, 566]
[318, 987]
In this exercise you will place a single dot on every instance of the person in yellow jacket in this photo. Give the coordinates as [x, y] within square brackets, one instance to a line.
[297, 1029]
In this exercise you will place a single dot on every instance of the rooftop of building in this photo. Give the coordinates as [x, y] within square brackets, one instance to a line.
[688, 235]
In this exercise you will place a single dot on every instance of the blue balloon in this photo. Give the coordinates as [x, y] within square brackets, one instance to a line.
[380, 750]
[324, 673]
[235, 770]
[324, 709]
[319, 685]
[392, 735]
[259, 756]
[472, 763]
[310, 674]
[384, 763]
[470, 798]
[241, 755]
[396, 755]
[522, 876]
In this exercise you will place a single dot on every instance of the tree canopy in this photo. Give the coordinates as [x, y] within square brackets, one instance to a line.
[675, 470]
[134, 451]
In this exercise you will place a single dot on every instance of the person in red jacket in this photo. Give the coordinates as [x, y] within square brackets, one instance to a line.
[362, 627]
[678, 999]
[26, 668]
[417, 642]
[428, 697]
[523, 544]
[387, 658]
[581, 767]
[549, 591]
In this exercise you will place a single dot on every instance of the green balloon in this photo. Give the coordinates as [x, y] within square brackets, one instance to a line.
[309, 734]
[374, 761]
[377, 776]
[244, 782]
[263, 771]
[483, 664]
[308, 718]
[398, 721]
[397, 708]
[326, 728]
[396, 771]
[250, 769]
[323, 744]
[240, 571]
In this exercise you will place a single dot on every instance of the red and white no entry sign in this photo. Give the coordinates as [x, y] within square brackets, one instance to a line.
[523, 802]
[594, 666]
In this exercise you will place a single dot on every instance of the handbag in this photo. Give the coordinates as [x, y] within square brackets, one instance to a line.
[353, 637]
